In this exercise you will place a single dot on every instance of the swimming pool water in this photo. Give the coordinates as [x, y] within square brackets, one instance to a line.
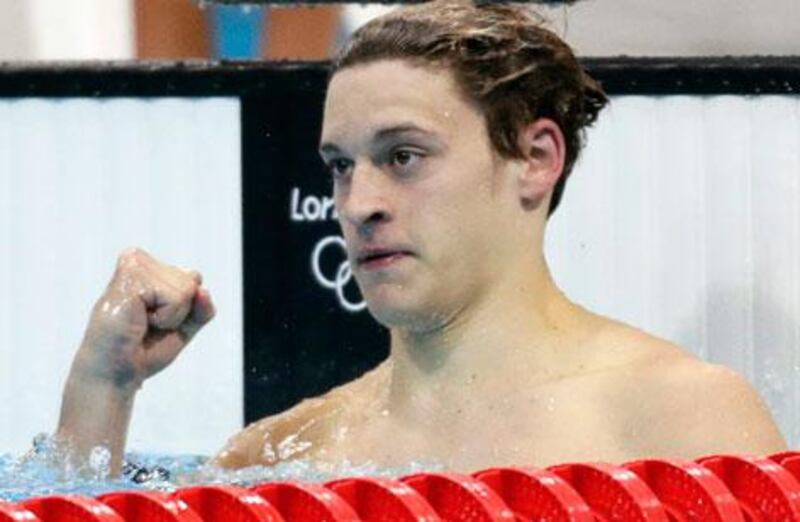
[37, 473]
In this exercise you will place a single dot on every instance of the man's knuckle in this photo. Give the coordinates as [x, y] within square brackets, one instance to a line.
[187, 276]
[188, 291]
[130, 258]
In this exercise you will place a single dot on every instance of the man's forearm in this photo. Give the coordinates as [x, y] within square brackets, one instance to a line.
[95, 412]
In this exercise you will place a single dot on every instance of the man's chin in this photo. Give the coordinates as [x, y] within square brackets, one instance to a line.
[387, 314]
[400, 315]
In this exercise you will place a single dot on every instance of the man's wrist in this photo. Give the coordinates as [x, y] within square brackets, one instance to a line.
[85, 374]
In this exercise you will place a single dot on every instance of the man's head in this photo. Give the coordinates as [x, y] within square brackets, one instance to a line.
[446, 130]
[503, 61]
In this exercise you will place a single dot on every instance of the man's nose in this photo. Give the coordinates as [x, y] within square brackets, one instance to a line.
[364, 202]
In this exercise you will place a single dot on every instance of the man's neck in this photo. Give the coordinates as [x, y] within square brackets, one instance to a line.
[486, 351]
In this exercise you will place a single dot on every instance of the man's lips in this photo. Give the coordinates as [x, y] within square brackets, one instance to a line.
[380, 257]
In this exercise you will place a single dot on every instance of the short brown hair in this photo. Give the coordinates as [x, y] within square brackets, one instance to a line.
[503, 60]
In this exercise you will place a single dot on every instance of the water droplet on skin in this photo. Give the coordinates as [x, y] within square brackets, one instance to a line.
[292, 445]
[268, 452]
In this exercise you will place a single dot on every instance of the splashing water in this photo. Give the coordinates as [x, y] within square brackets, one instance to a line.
[44, 472]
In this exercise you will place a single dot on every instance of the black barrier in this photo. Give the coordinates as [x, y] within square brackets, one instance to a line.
[305, 324]
[303, 334]
[619, 76]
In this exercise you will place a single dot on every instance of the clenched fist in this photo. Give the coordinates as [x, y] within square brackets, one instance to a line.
[146, 316]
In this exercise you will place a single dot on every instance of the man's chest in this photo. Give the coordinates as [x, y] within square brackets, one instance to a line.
[533, 427]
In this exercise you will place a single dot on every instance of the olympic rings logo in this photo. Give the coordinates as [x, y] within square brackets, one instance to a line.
[340, 279]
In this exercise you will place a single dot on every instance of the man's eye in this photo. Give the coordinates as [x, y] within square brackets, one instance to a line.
[339, 167]
[404, 157]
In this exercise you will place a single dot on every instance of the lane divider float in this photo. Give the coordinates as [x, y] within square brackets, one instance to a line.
[716, 488]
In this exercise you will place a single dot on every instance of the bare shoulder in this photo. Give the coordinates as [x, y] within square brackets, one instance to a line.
[682, 406]
[308, 427]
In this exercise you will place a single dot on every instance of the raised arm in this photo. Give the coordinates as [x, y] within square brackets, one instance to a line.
[148, 313]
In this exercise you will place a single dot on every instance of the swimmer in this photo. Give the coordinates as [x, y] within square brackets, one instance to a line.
[449, 132]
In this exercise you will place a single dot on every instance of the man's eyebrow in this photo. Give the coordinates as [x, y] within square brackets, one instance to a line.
[382, 135]
[389, 132]
[328, 147]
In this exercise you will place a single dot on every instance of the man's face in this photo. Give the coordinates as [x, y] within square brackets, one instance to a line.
[419, 193]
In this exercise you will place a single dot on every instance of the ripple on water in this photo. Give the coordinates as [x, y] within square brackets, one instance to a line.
[37, 474]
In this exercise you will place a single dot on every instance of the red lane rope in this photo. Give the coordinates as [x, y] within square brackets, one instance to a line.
[141, 506]
[615, 494]
[381, 499]
[688, 491]
[228, 503]
[765, 491]
[720, 488]
[71, 508]
[298, 502]
[458, 497]
[536, 494]
[15, 513]
[790, 461]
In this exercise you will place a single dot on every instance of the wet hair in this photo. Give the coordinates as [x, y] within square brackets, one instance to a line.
[513, 69]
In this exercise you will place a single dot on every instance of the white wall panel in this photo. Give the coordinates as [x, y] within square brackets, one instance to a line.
[683, 218]
[79, 181]
[16, 39]
[728, 232]
[74, 30]
[82, 29]
[776, 264]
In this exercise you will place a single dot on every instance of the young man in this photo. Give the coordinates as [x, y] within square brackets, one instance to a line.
[449, 131]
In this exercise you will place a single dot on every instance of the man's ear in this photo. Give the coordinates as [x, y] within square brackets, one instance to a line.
[543, 154]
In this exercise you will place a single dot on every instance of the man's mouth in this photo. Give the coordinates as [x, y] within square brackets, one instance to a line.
[380, 258]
